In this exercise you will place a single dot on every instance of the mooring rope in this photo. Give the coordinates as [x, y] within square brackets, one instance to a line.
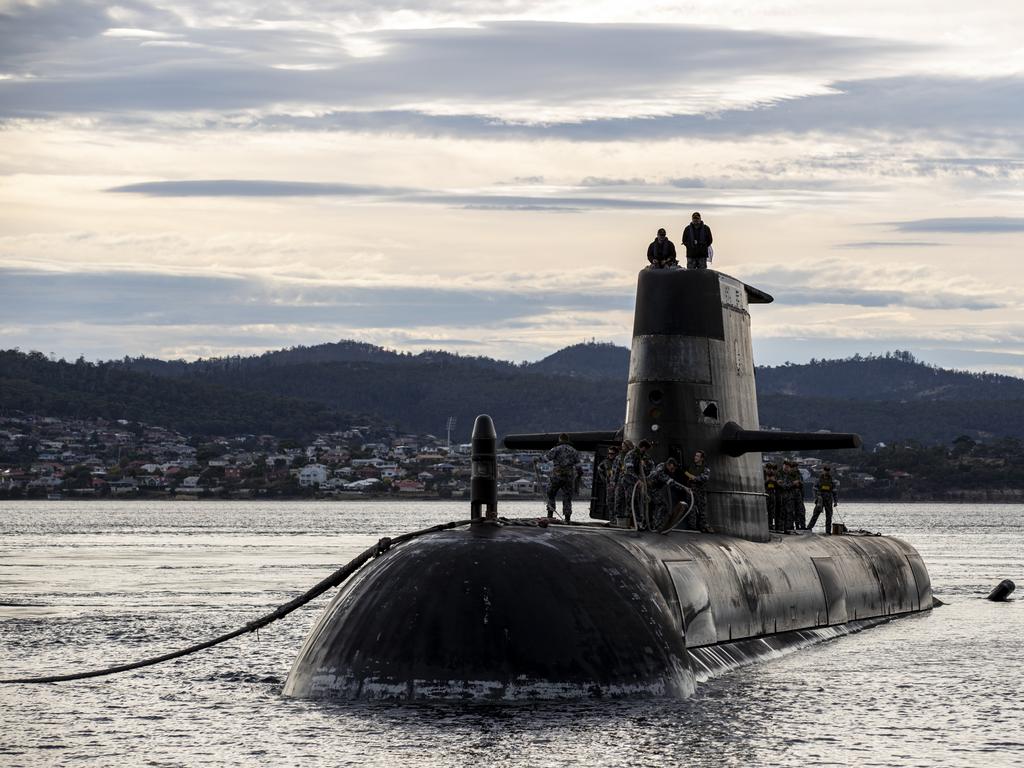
[281, 611]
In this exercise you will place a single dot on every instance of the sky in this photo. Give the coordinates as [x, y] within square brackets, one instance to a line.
[187, 178]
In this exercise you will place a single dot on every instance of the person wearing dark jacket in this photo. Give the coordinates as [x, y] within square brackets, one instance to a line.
[662, 253]
[697, 238]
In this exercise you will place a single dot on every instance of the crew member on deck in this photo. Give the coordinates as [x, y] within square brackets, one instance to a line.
[697, 475]
[825, 498]
[662, 486]
[636, 468]
[603, 483]
[566, 460]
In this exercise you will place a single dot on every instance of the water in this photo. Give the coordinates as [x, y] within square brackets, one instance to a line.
[86, 585]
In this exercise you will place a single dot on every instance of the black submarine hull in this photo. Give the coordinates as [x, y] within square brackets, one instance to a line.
[524, 612]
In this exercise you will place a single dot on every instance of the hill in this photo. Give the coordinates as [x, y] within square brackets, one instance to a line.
[30, 382]
[895, 376]
[587, 361]
[421, 392]
[291, 392]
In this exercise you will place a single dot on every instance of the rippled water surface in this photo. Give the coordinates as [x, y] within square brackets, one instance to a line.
[85, 585]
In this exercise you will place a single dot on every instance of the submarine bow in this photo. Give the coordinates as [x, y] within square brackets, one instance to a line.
[497, 613]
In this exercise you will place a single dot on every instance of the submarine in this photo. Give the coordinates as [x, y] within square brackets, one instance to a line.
[521, 609]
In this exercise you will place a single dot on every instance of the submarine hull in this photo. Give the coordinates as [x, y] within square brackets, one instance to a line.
[525, 612]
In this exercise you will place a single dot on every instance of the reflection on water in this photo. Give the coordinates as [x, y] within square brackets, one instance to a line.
[85, 585]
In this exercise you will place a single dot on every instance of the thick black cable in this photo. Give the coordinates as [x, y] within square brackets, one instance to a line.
[333, 580]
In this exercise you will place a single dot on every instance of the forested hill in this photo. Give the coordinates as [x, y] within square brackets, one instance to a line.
[588, 361]
[336, 352]
[884, 398]
[582, 387]
[896, 376]
[420, 392]
[33, 384]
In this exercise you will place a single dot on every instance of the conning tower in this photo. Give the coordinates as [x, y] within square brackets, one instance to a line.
[691, 372]
[691, 387]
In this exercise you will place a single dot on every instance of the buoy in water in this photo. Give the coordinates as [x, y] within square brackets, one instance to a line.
[1002, 591]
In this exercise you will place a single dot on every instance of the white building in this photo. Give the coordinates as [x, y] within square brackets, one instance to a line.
[312, 474]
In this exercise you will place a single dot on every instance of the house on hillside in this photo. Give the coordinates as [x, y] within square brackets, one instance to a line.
[313, 475]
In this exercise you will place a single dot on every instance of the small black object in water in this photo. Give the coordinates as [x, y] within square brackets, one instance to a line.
[1002, 591]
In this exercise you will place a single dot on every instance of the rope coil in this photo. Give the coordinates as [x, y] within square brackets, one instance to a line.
[335, 579]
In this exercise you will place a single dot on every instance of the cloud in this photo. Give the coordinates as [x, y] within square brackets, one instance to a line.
[907, 286]
[899, 109]
[255, 188]
[110, 313]
[538, 202]
[525, 72]
[31, 29]
[121, 297]
[975, 225]
[861, 297]
[601, 181]
[495, 80]
[688, 183]
[870, 244]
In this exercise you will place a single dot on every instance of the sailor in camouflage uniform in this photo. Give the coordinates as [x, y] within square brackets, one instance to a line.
[619, 508]
[665, 479]
[771, 496]
[789, 487]
[636, 467]
[697, 475]
[799, 509]
[604, 476]
[566, 461]
[825, 497]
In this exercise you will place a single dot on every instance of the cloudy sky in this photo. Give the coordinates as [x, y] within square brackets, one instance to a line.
[189, 178]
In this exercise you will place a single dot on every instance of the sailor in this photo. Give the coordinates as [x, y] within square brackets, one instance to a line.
[619, 506]
[603, 481]
[697, 475]
[771, 496]
[566, 460]
[799, 508]
[661, 252]
[789, 483]
[825, 497]
[636, 468]
[662, 484]
[697, 239]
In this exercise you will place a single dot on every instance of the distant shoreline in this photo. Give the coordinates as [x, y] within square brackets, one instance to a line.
[993, 497]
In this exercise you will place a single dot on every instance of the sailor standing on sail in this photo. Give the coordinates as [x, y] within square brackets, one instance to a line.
[566, 461]
[662, 253]
[697, 238]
